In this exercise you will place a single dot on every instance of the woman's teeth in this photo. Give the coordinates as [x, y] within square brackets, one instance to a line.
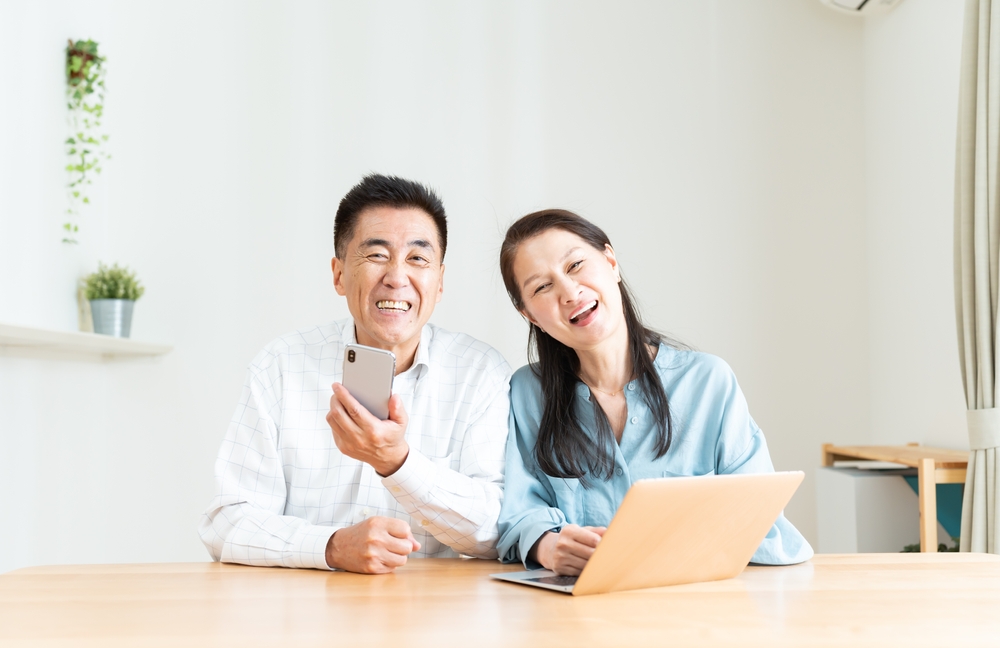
[393, 305]
[591, 306]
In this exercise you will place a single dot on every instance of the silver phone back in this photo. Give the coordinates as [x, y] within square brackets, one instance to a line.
[368, 374]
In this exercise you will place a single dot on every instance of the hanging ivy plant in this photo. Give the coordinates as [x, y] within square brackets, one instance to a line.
[85, 144]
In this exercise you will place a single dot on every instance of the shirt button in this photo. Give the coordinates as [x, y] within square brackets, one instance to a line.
[635, 419]
[365, 512]
[424, 523]
[631, 387]
[619, 472]
[396, 489]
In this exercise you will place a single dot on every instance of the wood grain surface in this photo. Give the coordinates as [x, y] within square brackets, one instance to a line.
[833, 600]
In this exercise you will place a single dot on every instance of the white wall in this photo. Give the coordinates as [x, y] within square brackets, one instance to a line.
[720, 143]
[912, 60]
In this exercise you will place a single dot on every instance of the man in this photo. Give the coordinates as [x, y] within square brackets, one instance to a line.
[309, 478]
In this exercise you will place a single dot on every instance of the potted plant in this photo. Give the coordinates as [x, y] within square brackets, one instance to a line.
[112, 293]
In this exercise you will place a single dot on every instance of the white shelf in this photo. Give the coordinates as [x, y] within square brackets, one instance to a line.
[74, 343]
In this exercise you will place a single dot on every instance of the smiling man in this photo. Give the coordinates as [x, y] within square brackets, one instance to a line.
[306, 476]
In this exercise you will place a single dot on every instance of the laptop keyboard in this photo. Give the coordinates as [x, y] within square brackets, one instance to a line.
[555, 580]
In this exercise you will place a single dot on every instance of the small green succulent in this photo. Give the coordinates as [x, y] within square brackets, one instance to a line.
[113, 283]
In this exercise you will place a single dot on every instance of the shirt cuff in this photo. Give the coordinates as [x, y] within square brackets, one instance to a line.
[530, 536]
[309, 550]
[413, 482]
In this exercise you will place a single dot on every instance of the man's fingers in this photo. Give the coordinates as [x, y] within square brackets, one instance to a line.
[352, 407]
[399, 538]
[399, 546]
[393, 560]
[398, 529]
[396, 412]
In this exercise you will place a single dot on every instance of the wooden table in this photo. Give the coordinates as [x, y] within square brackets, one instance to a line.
[834, 600]
[934, 466]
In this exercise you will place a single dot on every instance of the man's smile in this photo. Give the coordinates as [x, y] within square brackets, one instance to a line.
[388, 305]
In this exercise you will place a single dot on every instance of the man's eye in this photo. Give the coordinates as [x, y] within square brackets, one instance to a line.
[418, 259]
[378, 256]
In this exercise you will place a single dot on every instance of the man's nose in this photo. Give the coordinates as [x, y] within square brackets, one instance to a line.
[395, 275]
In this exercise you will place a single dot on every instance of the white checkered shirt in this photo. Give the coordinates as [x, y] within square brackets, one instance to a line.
[283, 488]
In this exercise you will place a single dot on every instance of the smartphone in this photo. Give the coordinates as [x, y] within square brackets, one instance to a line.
[368, 374]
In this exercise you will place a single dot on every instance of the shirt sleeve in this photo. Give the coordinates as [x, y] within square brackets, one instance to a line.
[742, 449]
[461, 507]
[244, 522]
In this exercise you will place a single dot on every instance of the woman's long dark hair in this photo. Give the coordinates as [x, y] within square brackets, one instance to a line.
[563, 449]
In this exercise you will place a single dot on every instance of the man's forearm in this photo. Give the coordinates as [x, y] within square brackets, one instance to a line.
[240, 533]
[459, 511]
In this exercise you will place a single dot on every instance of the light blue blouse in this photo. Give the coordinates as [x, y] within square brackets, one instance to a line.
[713, 433]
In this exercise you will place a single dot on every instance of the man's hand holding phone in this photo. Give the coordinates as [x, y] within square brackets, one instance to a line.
[361, 436]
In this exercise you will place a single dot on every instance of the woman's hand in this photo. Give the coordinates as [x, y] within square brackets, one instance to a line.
[567, 552]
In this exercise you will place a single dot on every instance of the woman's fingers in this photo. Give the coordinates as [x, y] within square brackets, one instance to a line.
[585, 536]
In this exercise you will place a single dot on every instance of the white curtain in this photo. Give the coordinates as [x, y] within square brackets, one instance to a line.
[977, 257]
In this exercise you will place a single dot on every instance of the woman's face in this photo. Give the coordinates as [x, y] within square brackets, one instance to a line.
[569, 289]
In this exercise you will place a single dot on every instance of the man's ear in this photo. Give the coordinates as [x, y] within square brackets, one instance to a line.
[440, 286]
[338, 276]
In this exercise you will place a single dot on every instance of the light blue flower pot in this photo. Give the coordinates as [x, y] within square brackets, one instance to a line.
[112, 316]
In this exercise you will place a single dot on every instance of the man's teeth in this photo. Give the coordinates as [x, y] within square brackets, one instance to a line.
[583, 311]
[393, 305]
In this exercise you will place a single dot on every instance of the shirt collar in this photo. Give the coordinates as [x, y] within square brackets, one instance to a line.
[422, 357]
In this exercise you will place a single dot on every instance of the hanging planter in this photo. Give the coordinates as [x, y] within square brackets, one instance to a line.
[112, 293]
[85, 144]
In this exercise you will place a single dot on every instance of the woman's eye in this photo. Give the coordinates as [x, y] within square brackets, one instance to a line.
[540, 288]
[575, 265]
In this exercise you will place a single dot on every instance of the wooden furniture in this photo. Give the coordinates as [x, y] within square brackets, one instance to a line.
[48, 343]
[833, 600]
[934, 466]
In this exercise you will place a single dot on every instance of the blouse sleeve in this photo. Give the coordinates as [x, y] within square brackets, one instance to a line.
[528, 509]
[742, 449]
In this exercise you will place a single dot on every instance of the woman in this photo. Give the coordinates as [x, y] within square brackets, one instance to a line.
[608, 402]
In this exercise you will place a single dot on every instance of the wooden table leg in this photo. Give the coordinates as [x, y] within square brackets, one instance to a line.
[927, 485]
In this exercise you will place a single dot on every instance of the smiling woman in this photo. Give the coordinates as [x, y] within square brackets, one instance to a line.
[607, 402]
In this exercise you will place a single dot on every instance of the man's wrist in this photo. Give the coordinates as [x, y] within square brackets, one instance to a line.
[331, 553]
[389, 467]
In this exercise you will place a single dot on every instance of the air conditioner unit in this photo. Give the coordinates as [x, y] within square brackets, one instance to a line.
[861, 7]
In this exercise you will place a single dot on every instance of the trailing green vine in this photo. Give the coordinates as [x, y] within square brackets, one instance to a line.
[84, 146]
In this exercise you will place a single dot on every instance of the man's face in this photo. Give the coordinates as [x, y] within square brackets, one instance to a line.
[392, 276]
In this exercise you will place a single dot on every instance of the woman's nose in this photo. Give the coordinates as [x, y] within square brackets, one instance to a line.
[569, 290]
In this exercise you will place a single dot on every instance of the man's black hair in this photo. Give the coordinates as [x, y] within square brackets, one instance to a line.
[376, 190]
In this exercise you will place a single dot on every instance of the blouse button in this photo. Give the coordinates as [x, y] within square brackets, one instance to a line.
[635, 419]
[631, 387]
[619, 472]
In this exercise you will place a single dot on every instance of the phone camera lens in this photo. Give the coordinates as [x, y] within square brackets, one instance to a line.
[350, 356]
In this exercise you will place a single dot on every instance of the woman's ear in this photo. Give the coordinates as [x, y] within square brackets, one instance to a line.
[609, 254]
[531, 320]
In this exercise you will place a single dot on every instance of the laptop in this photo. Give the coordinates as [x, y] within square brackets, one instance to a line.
[677, 530]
